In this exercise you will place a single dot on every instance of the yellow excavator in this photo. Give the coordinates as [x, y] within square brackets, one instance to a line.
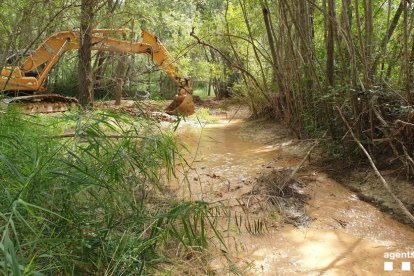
[31, 76]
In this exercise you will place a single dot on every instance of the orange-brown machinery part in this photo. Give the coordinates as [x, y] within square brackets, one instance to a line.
[45, 52]
[183, 102]
[49, 52]
[12, 79]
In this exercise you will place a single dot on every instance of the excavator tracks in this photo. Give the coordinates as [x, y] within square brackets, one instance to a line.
[43, 103]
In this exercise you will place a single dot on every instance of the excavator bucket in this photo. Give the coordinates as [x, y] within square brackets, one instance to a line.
[181, 106]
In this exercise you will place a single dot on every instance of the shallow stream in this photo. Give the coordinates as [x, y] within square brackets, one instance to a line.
[347, 236]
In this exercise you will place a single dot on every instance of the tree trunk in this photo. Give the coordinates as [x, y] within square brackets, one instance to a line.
[369, 30]
[266, 18]
[209, 87]
[99, 67]
[120, 79]
[387, 36]
[256, 54]
[407, 60]
[330, 46]
[85, 56]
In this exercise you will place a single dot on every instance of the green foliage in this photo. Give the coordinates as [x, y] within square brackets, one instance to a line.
[289, 80]
[203, 115]
[90, 202]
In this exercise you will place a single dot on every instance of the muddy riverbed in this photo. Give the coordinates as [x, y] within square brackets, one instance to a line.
[343, 235]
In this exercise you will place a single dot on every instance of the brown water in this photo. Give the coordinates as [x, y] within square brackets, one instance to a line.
[221, 158]
[346, 237]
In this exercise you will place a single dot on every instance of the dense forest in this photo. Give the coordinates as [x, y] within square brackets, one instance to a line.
[336, 72]
[298, 60]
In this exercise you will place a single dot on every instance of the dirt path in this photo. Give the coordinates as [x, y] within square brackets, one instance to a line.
[346, 236]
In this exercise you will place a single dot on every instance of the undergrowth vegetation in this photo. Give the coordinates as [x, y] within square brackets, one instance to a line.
[84, 194]
[203, 115]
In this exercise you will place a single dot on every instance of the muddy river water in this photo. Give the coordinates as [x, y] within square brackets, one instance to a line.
[346, 236]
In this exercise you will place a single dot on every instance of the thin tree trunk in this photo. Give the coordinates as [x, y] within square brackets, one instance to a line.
[387, 36]
[266, 18]
[85, 57]
[247, 22]
[351, 61]
[120, 79]
[330, 44]
[368, 6]
[209, 87]
[99, 67]
[407, 61]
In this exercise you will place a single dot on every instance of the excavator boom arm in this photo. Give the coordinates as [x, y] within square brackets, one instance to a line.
[65, 41]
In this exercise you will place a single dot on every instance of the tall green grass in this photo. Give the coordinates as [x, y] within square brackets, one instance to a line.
[84, 194]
